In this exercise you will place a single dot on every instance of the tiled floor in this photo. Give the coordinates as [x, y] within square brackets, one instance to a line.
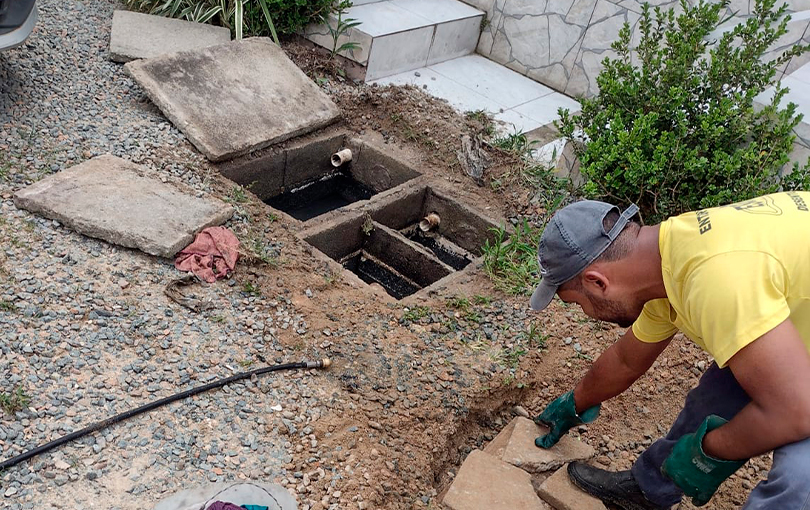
[476, 83]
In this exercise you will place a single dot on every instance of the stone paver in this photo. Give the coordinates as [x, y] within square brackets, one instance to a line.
[515, 445]
[234, 98]
[486, 483]
[135, 35]
[112, 199]
[562, 494]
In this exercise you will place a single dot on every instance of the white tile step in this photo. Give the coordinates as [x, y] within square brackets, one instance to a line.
[475, 83]
[400, 35]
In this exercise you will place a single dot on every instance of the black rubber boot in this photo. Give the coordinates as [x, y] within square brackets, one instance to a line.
[616, 488]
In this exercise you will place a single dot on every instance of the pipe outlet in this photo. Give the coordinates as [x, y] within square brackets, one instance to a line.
[429, 222]
[340, 157]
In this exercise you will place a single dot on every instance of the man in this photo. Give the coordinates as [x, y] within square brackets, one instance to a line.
[736, 281]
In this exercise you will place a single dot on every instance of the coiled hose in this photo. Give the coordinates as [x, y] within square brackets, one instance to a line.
[325, 363]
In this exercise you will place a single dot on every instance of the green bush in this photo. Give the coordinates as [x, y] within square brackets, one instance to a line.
[290, 16]
[674, 127]
[243, 17]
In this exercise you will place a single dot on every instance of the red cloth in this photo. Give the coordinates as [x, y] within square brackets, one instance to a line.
[212, 255]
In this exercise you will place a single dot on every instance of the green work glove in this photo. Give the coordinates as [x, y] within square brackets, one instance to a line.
[697, 474]
[560, 416]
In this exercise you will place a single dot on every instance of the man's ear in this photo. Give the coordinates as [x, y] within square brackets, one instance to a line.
[595, 281]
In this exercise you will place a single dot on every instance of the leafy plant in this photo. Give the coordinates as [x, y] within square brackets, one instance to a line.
[534, 336]
[512, 263]
[242, 17]
[415, 313]
[510, 357]
[7, 306]
[674, 127]
[15, 400]
[482, 300]
[460, 302]
[251, 289]
[516, 142]
[237, 195]
[342, 26]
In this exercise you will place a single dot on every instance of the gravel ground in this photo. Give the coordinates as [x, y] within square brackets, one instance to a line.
[86, 330]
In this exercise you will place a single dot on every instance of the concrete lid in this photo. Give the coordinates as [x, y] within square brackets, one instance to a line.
[115, 200]
[234, 98]
[135, 35]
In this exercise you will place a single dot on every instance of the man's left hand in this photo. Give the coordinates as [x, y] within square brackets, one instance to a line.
[697, 474]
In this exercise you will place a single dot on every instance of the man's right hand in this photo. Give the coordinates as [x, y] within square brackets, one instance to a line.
[560, 416]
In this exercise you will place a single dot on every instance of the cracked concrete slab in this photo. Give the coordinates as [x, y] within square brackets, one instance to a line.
[115, 200]
[135, 35]
[234, 98]
[515, 445]
[486, 483]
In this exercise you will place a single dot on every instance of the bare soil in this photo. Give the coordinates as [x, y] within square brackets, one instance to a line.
[410, 394]
[456, 398]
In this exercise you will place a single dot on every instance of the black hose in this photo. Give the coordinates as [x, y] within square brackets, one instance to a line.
[157, 403]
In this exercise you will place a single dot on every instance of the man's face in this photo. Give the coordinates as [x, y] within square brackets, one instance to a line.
[622, 312]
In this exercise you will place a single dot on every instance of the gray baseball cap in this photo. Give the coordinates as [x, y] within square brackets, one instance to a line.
[571, 241]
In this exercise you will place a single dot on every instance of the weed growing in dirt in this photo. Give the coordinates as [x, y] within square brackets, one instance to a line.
[4, 171]
[260, 251]
[368, 224]
[7, 306]
[460, 302]
[342, 26]
[415, 313]
[484, 119]
[534, 337]
[331, 278]
[14, 401]
[517, 143]
[512, 263]
[237, 195]
[272, 217]
[249, 288]
[482, 300]
[472, 316]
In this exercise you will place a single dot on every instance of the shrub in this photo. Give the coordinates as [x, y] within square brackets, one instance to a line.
[243, 17]
[674, 127]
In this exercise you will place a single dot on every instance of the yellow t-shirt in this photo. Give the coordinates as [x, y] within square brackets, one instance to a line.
[732, 274]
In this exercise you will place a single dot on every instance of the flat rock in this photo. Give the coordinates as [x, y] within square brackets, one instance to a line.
[135, 35]
[515, 445]
[112, 199]
[562, 494]
[486, 483]
[234, 98]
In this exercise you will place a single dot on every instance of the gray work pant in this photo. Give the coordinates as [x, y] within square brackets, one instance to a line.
[718, 392]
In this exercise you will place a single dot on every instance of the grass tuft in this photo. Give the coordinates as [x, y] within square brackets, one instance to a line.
[512, 263]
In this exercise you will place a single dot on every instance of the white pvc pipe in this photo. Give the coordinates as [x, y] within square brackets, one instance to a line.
[340, 157]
